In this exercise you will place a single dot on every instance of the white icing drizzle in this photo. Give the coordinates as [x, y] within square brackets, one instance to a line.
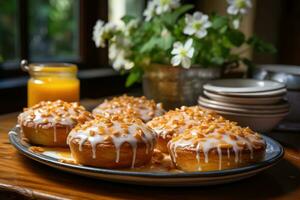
[220, 157]
[198, 156]
[118, 132]
[134, 155]
[140, 107]
[52, 114]
[213, 141]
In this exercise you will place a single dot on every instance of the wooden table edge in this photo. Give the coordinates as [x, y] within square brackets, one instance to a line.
[28, 193]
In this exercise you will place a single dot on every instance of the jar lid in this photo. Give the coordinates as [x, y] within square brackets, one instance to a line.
[48, 67]
[52, 67]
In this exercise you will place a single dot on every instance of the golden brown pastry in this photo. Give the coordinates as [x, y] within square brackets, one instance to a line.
[177, 121]
[139, 107]
[112, 141]
[48, 123]
[216, 146]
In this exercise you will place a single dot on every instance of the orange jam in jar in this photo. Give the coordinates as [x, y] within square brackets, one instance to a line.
[52, 82]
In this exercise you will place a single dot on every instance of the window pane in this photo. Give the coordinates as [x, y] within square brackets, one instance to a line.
[8, 31]
[53, 30]
[119, 8]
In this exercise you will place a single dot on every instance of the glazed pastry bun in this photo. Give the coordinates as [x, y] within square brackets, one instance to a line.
[177, 121]
[139, 107]
[112, 141]
[48, 123]
[216, 146]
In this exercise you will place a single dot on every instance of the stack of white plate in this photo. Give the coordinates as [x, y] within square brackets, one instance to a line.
[259, 104]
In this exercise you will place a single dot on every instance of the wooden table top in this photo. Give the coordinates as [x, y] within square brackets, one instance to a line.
[21, 177]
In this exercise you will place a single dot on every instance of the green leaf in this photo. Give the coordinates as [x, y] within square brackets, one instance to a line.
[127, 18]
[165, 43]
[217, 61]
[134, 76]
[219, 22]
[261, 46]
[250, 66]
[236, 37]
[149, 45]
[223, 29]
[171, 17]
[248, 63]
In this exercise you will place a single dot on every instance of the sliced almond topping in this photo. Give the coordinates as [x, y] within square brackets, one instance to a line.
[233, 137]
[92, 133]
[107, 138]
[241, 143]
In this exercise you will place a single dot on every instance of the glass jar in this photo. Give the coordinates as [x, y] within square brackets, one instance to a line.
[52, 81]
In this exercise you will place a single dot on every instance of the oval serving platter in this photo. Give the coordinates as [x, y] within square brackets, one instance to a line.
[274, 153]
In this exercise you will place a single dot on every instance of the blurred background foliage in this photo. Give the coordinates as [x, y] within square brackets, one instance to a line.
[52, 25]
[8, 30]
[53, 29]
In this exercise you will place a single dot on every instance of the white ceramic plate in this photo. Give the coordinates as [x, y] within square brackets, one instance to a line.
[280, 105]
[256, 94]
[244, 100]
[274, 153]
[242, 85]
[243, 110]
[261, 123]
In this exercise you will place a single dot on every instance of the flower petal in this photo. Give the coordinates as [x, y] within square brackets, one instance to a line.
[236, 23]
[175, 61]
[188, 44]
[177, 45]
[232, 10]
[204, 18]
[190, 52]
[201, 34]
[207, 24]
[175, 51]
[188, 18]
[128, 65]
[198, 15]
[248, 3]
[189, 30]
[186, 63]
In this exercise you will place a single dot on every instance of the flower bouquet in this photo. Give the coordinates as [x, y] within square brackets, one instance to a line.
[169, 34]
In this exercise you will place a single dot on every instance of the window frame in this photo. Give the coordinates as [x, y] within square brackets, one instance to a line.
[90, 57]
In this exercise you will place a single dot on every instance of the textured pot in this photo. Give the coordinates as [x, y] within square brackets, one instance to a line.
[175, 86]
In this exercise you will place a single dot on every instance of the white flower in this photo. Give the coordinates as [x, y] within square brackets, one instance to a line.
[182, 53]
[101, 32]
[157, 7]
[128, 65]
[113, 51]
[166, 5]
[132, 24]
[120, 61]
[238, 6]
[196, 24]
[118, 55]
[236, 23]
[110, 27]
[150, 10]
[98, 34]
